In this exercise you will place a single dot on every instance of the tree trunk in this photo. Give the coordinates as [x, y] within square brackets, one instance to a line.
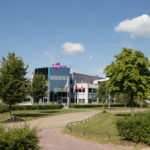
[132, 105]
[103, 107]
[140, 102]
[125, 105]
[10, 107]
[103, 104]
[38, 104]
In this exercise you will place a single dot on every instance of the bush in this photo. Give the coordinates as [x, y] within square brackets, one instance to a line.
[19, 139]
[136, 129]
[5, 108]
[95, 105]
[84, 105]
[35, 107]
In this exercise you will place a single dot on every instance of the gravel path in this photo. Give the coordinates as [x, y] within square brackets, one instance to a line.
[51, 137]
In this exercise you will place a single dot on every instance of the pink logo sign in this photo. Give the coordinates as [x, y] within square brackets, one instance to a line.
[57, 66]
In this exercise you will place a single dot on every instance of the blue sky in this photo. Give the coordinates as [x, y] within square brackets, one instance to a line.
[85, 34]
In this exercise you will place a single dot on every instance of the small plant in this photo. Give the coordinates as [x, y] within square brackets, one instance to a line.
[22, 138]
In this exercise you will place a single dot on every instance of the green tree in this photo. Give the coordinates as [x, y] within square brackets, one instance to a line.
[122, 98]
[12, 79]
[129, 74]
[102, 92]
[38, 88]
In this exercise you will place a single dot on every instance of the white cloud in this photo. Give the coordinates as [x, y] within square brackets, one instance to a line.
[46, 53]
[138, 27]
[90, 57]
[72, 48]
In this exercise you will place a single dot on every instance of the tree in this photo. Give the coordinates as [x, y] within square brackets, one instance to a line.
[122, 98]
[129, 74]
[102, 92]
[37, 89]
[12, 80]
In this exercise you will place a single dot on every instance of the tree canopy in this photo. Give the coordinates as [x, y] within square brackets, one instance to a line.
[129, 74]
[12, 79]
[102, 91]
[37, 89]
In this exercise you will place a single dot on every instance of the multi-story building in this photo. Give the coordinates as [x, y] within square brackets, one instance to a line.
[83, 89]
[65, 87]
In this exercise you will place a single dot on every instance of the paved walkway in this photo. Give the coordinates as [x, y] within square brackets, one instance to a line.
[52, 138]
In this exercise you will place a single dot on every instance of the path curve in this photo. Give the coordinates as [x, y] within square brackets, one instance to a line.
[51, 137]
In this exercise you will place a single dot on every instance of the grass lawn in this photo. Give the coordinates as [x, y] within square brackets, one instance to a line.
[117, 108]
[100, 126]
[33, 114]
[98, 129]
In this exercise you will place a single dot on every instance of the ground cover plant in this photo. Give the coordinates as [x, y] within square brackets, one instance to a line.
[23, 138]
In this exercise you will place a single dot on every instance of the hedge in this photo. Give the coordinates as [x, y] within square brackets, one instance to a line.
[136, 129]
[22, 138]
[5, 108]
[34, 107]
[98, 105]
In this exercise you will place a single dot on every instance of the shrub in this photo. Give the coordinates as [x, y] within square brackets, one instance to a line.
[96, 105]
[19, 138]
[84, 105]
[34, 107]
[5, 108]
[136, 129]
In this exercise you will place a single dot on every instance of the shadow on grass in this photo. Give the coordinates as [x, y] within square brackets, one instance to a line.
[30, 115]
[123, 115]
[50, 112]
[41, 114]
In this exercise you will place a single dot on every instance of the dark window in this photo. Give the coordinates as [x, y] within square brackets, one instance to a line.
[43, 71]
[89, 100]
[45, 100]
[90, 90]
[94, 90]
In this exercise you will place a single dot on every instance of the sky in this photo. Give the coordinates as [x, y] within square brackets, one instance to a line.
[83, 34]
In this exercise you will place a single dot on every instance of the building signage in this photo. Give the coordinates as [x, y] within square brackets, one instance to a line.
[57, 66]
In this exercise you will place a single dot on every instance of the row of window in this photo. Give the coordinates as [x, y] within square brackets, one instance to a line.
[61, 90]
[90, 90]
[59, 77]
[82, 101]
[54, 98]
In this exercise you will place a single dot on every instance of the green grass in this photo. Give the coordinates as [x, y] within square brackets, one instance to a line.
[33, 114]
[100, 126]
[97, 129]
[115, 108]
